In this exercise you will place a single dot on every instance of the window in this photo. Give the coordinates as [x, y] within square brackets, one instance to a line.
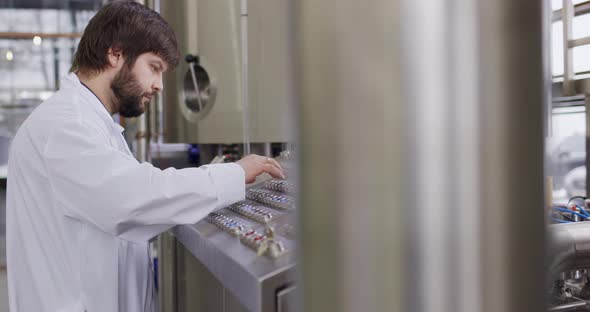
[37, 46]
[567, 152]
[566, 146]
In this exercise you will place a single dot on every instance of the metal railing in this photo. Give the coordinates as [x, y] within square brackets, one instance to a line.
[568, 12]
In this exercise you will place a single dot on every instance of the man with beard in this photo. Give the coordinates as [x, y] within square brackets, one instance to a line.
[80, 208]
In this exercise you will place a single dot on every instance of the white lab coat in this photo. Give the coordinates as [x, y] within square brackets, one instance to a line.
[81, 209]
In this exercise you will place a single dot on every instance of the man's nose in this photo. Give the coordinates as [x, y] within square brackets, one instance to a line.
[158, 85]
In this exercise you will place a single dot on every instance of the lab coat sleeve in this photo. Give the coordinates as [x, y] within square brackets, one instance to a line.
[98, 184]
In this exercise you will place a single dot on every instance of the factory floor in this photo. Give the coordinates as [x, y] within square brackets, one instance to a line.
[3, 284]
[3, 292]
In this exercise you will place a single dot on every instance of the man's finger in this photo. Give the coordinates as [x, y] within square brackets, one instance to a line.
[268, 160]
[262, 158]
[274, 171]
[276, 163]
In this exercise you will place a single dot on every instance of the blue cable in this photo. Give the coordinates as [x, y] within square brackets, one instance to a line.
[560, 221]
[572, 212]
[583, 211]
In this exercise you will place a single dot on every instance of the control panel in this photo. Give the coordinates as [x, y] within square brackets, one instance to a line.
[249, 247]
[264, 222]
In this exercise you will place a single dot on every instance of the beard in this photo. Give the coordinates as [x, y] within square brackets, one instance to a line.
[129, 94]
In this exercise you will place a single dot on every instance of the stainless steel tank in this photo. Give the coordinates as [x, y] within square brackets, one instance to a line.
[422, 155]
[212, 29]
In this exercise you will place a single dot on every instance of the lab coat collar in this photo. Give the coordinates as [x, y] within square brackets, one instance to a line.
[72, 80]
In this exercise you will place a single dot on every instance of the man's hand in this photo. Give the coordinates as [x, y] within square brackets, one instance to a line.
[255, 165]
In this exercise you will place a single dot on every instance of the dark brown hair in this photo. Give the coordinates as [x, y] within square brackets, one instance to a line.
[129, 27]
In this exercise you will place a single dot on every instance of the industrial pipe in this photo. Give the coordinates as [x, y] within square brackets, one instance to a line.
[569, 247]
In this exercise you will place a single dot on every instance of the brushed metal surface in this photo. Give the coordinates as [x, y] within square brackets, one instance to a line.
[234, 270]
[236, 266]
[442, 208]
[569, 247]
[211, 29]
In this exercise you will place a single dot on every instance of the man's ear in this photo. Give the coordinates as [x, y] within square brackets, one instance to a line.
[115, 57]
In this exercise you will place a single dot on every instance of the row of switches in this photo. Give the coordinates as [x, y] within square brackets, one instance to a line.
[259, 214]
[261, 243]
[280, 186]
[280, 201]
[226, 223]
